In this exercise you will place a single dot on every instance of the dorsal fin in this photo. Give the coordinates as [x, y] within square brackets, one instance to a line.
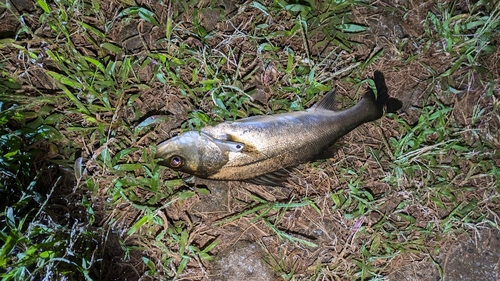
[328, 101]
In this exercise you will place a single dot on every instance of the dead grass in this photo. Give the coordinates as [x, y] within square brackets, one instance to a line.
[398, 190]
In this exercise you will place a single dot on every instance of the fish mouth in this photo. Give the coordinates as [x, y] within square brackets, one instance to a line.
[164, 148]
[166, 151]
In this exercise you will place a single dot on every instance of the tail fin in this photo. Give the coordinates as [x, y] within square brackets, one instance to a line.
[382, 99]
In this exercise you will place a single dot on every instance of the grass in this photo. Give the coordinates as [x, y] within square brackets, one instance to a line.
[81, 112]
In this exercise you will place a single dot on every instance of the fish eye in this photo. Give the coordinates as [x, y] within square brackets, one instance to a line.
[176, 162]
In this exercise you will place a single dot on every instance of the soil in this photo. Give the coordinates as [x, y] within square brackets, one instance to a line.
[249, 249]
[466, 258]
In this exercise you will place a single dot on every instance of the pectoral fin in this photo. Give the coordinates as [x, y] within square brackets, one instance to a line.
[226, 145]
[229, 146]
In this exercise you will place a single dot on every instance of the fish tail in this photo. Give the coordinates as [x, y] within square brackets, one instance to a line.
[382, 99]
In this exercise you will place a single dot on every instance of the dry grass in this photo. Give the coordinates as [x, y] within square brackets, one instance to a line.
[98, 84]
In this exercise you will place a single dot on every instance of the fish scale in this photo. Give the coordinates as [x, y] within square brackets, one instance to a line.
[258, 148]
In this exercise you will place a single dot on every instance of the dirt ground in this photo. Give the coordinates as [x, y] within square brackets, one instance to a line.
[249, 249]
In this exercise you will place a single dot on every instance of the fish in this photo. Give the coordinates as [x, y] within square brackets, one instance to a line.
[261, 149]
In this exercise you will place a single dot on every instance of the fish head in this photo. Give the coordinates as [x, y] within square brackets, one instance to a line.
[193, 152]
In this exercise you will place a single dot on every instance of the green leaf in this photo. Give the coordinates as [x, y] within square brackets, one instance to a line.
[186, 194]
[148, 16]
[127, 167]
[49, 132]
[149, 264]
[297, 8]
[47, 254]
[94, 30]
[9, 244]
[371, 60]
[220, 103]
[259, 6]
[182, 265]
[6, 42]
[111, 47]
[406, 217]
[75, 100]
[143, 13]
[122, 153]
[211, 246]
[53, 118]
[202, 190]
[139, 224]
[350, 27]
[155, 119]
[65, 80]
[289, 237]
[45, 7]
[106, 157]
[174, 183]
[205, 256]
[95, 62]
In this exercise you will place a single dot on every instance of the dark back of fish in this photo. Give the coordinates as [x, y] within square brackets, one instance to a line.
[284, 140]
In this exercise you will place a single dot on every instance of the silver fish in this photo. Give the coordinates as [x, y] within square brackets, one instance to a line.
[258, 148]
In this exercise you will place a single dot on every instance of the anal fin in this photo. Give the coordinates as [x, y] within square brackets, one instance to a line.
[276, 178]
[329, 152]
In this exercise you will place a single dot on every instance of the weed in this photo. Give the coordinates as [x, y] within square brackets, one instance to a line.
[78, 91]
